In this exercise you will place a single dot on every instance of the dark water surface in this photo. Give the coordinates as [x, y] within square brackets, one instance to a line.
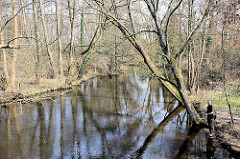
[104, 118]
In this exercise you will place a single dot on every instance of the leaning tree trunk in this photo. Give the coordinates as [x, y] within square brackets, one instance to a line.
[161, 30]
[178, 92]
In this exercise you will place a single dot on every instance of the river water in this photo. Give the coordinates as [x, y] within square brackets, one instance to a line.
[122, 117]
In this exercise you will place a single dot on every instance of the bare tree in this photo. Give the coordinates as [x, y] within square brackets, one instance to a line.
[4, 56]
[49, 53]
[59, 40]
[14, 51]
[177, 87]
[36, 32]
[72, 15]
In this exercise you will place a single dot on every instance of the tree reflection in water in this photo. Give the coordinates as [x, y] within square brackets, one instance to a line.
[122, 117]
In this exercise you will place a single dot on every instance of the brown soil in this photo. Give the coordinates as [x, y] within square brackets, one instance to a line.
[226, 133]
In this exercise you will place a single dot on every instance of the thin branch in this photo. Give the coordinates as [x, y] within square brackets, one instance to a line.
[168, 19]
[200, 21]
[162, 54]
[7, 46]
[130, 16]
[157, 5]
[164, 79]
[159, 30]
[5, 24]
[24, 37]
[92, 42]
[168, 10]
[144, 31]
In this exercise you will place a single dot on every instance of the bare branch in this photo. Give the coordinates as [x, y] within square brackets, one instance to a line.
[159, 30]
[198, 24]
[162, 54]
[93, 41]
[144, 31]
[167, 12]
[24, 37]
[130, 16]
[8, 46]
[5, 24]
[168, 19]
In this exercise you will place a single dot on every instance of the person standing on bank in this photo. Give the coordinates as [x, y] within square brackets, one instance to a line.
[210, 117]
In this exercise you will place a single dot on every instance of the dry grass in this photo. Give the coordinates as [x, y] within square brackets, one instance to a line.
[227, 134]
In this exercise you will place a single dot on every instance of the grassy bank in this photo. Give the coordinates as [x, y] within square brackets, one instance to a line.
[226, 133]
[218, 97]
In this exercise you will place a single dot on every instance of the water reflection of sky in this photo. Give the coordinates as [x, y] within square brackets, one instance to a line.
[104, 118]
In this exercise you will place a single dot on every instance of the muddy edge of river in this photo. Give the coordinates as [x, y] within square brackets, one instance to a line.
[226, 134]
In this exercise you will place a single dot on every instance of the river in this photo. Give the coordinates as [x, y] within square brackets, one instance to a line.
[121, 117]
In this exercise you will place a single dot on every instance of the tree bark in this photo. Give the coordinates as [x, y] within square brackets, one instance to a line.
[190, 50]
[25, 28]
[82, 27]
[36, 32]
[72, 21]
[49, 53]
[59, 41]
[14, 51]
[4, 56]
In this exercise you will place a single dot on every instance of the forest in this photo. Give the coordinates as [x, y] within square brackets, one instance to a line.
[191, 46]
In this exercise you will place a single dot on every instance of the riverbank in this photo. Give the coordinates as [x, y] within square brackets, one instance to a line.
[226, 133]
[47, 89]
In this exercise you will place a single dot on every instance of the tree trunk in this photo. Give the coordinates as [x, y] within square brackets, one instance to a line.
[36, 32]
[72, 21]
[82, 27]
[89, 50]
[14, 51]
[228, 103]
[190, 50]
[84, 64]
[25, 28]
[49, 53]
[4, 56]
[59, 41]
[178, 92]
